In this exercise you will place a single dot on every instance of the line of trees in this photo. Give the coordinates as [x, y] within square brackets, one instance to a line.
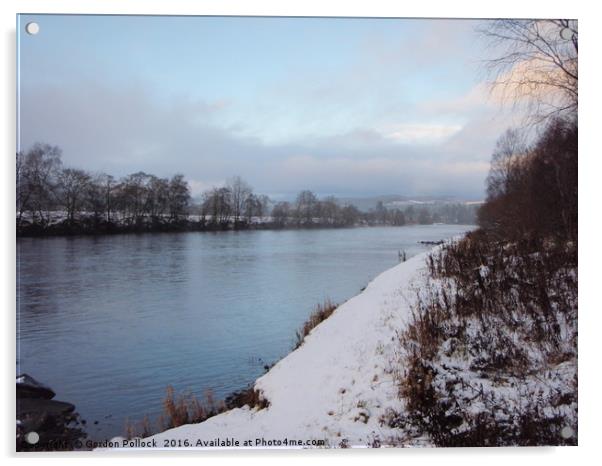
[424, 214]
[50, 195]
[54, 199]
[308, 210]
[532, 189]
[235, 203]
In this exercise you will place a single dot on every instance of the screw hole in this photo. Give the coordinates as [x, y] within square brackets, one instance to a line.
[32, 28]
[32, 438]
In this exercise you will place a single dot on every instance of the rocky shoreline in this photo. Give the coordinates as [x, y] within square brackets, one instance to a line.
[44, 424]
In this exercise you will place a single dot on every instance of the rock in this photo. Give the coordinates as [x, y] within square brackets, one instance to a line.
[55, 422]
[28, 406]
[28, 387]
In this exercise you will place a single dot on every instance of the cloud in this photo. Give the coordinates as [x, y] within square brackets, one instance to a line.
[399, 115]
[386, 174]
[422, 133]
[123, 131]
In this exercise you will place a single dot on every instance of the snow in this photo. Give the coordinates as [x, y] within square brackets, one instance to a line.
[337, 386]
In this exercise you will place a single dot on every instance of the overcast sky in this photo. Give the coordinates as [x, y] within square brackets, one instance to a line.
[351, 107]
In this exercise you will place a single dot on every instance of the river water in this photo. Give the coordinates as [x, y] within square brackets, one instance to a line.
[108, 322]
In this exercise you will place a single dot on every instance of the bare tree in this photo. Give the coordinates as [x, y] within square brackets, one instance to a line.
[109, 188]
[73, 185]
[536, 63]
[95, 197]
[380, 212]
[240, 191]
[253, 207]
[281, 213]
[350, 215]
[398, 218]
[36, 181]
[22, 194]
[134, 194]
[306, 204]
[329, 210]
[264, 200]
[217, 204]
[179, 197]
[509, 148]
[158, 197]
[424, 217]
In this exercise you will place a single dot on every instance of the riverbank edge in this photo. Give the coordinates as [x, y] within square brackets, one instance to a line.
[183, 226]
[399, 280]
[187, 226]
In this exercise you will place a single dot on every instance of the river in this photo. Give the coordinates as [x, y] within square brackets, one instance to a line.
[108, 322]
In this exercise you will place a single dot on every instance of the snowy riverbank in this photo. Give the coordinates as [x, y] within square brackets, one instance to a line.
[337, 387]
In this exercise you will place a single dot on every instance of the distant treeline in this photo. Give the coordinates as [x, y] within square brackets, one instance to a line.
[55, 200]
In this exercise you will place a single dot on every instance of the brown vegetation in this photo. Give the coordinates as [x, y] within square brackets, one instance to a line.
[186, 408]
[321, 313]
[494, 320]
[532, 192]
[491, 351]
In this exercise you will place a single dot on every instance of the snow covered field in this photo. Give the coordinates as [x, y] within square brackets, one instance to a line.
[335, 389]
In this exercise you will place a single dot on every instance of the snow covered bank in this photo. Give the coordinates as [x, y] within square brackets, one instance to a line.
[335, 388]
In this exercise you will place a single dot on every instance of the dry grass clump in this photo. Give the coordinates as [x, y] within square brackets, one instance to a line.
[321, 312]
[186, 408]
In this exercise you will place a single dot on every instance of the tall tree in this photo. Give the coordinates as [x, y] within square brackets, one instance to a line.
[281, 213]
[36, 183]
[179, 197]
[134, 192]
[73, 185]
[240, 191]
[306, 204]
[509, 149]
[108, 188]
[217, 204]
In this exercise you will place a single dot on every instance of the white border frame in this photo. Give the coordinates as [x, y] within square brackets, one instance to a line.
[589, 252]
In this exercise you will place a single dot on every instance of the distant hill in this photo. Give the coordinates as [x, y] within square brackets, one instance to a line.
[392, 201]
